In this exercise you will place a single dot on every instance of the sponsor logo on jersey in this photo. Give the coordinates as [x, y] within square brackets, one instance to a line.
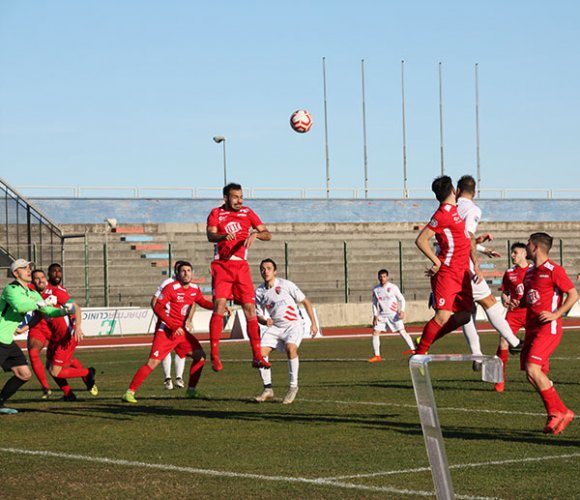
[533, 296]
[233, 227]
[278, 289]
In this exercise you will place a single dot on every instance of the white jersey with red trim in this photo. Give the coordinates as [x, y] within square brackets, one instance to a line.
[387, 301]
[470, 213]
[280, 302]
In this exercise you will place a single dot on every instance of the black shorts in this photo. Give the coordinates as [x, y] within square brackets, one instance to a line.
[10, 356]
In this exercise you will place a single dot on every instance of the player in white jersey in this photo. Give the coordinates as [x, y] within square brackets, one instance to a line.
[277, 307]
[179, 362]
[471, 214]
[388, 313]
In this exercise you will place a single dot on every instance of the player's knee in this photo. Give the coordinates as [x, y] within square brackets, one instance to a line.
[153, 363]
[54, 370]
[23, 373]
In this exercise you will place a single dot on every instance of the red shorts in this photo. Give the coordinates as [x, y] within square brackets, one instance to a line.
[60, 352]
[40, 332]
[232, 278]
[452, 290]
[539, 344]
[516, 319]
[164, 343]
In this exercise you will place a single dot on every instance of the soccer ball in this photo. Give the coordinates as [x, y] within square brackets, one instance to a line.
[301, 121]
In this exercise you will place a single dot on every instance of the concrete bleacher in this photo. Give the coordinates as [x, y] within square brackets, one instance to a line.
[312, 251]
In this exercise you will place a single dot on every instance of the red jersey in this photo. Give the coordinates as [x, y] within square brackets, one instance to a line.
[231, 221]
[513, 282]
[544, 287]
[453, 240]
[175, 302]
[59, 327]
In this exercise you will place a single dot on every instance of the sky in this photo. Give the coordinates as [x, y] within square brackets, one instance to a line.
[129, 93]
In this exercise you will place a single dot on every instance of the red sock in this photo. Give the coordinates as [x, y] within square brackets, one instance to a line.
[254, 334]
[75, 363]
[430, 330]
[140, 376]
[215, 332]
[552, 401]
[69, 372]
[195, 373]
[503, 354]
[63, 384]
[38, 367]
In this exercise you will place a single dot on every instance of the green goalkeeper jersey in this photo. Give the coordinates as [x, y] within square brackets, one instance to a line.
[17, 300]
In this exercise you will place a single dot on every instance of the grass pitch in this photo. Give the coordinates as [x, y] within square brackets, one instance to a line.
[353, 431]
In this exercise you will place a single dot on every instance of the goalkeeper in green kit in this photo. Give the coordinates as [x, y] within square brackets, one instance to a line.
[15, 302]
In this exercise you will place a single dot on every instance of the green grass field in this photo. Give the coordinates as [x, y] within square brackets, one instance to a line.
[353, 431]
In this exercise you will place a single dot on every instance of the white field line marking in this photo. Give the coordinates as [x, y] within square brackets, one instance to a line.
[400, 405]
[460, 466]
[218, 473]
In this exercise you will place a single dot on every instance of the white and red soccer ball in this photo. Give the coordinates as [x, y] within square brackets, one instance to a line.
[301, 121]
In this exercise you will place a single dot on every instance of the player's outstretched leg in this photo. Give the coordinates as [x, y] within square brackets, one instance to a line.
[194, 375]
[215, 332]
[140, 376]
[254, 334]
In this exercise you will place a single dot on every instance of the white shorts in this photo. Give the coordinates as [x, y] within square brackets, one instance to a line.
[389, 323]
[480, 290]
[277, 337]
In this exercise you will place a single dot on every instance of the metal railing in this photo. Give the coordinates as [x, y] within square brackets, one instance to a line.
[286, 192]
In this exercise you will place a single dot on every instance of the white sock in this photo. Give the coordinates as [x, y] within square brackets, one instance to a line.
[407, 338]
[266, 374]
[497, 319]
[179, 366]
[377, 345]
[293, 365]
[166, 364]
[472, 337]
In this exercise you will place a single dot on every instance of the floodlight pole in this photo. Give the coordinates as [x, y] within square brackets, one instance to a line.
[221, 139]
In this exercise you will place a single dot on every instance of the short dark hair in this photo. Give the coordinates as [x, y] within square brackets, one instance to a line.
[53, 265]
[382, 271]
[466, 184]
[542, 239]
[177, 265]
[37, 271]
[442, 186]
[517, 244]
[232, 186]
[182, 264]
[271, 262]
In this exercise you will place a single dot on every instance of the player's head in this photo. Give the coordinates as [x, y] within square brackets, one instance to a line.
[21, 269]
[184, 272]
[539, 243]
[442, 186]
[176, 266]
[518, 253]
[55, 274]
[39, 280]
[383, 276]
[233, 196]
[268, 269]
[466, 185]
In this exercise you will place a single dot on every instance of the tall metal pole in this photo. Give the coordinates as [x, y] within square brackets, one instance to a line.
[225, 163]
[366, 168]
[326, 129]
[405, 190]
[477, 130]
[441, 119]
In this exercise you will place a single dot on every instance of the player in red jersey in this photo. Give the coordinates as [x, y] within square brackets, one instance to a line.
[544, 286]
[233, 228]
[65, 335]
[172, 308]
[512, 287]
[450, 273]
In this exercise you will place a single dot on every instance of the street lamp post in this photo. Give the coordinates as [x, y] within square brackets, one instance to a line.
[221, 139]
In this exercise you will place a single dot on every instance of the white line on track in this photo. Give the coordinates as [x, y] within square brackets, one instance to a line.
[218, 473]
[460, 466]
